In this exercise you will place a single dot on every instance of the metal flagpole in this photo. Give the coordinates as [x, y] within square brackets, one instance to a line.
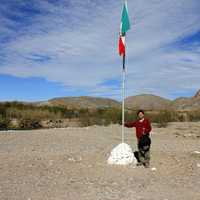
[123, 96]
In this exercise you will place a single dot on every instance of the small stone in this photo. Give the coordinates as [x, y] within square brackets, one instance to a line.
[51, 162]
[71, 159]
[153, 169]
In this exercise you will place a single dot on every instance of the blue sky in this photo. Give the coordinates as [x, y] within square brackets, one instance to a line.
[58, 48]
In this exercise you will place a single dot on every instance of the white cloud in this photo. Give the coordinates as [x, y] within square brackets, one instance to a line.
[80, 38]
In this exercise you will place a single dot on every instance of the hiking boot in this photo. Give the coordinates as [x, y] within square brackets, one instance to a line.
[139, 164]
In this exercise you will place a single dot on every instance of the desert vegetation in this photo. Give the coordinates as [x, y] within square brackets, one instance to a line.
[17, 115]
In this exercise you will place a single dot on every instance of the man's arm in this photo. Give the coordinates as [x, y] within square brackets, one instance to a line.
[130, 124]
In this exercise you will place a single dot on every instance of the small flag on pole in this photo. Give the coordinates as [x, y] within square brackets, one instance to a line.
[125, 26]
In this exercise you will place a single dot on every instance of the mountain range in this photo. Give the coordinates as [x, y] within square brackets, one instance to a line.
[143, 101]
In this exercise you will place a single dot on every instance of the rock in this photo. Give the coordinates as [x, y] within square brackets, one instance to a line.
[122, 154]
[50, 162]
[153, 169]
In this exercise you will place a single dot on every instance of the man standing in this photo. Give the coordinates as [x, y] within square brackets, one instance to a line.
[143, 129]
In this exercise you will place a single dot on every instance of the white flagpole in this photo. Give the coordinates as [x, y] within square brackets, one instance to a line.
[123, 87]
[123, 96]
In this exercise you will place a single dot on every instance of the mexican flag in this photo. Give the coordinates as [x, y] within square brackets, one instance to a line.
[125, 26]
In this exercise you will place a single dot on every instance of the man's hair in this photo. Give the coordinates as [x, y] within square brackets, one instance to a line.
[142, 111]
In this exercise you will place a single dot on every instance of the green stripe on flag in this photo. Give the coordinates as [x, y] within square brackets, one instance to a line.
[125, 20]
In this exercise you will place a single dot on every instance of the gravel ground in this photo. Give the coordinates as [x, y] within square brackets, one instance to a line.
[71, 164]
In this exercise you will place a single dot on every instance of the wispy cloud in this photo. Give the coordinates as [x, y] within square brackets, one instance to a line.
[75, 43]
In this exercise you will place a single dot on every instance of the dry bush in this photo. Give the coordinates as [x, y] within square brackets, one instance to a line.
[4, 123]
[162, 118]
[194, 115]
[27, 123]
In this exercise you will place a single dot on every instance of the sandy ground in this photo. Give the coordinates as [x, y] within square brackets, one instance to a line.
[70, 164]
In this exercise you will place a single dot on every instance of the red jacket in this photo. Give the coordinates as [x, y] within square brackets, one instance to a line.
[143, 127]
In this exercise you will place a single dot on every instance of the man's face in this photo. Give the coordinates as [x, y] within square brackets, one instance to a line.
[140, 115]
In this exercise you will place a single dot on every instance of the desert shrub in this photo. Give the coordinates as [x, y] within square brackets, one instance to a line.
[101, 116]
[2, 110]
[162, 124]
[29, 123]
[130, 115]
[181, 118]
[62, 111]
[193, 115]
[30, 115]
[85, 121]
[4, 123]
[162, 118]
[110, 116]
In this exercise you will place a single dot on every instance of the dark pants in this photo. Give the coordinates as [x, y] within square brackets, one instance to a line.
[143, 155]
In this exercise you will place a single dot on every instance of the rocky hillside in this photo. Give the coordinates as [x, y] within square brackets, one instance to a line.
[192, 103]
[82, 102]
[147, 102]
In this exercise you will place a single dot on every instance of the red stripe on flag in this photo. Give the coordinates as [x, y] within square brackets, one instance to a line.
[121, 47]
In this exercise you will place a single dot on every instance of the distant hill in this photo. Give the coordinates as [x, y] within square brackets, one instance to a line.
[153, 102]
[82, 102]
[147, 102]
